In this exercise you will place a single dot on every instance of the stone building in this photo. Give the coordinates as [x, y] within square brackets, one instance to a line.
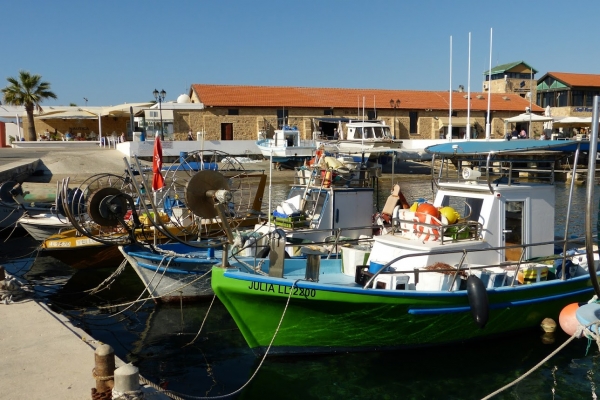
[231, 112]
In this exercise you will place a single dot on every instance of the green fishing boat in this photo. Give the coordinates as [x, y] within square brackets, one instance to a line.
[487, 264]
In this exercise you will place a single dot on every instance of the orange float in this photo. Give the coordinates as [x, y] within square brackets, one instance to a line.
[428, 208]
[568, 320]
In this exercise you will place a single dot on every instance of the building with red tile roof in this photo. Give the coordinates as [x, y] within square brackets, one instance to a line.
[240, 112]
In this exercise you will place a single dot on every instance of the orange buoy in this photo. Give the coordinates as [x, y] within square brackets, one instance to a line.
[568, 320]
[427, 208]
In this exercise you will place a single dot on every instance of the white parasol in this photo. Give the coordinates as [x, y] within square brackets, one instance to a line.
[548, 124]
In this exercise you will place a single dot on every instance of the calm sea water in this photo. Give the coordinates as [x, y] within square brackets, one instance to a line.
[164, 343]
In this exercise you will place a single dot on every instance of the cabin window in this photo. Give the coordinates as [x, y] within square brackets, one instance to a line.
[467, 207]
[379, 132]
[414, 118]
[233, 111]
[368, 133]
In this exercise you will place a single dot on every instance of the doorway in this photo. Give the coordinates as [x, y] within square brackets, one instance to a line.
[227, 131]
[513, 228]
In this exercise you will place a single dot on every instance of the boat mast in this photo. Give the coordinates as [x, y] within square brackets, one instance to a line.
[488, 127]
[591, 182]
[450, 95]
[469, 93]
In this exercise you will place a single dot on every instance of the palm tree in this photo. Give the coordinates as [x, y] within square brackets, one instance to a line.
[28, 91]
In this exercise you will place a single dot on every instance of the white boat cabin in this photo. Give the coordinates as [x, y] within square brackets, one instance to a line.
[498, 213]
[369, 131]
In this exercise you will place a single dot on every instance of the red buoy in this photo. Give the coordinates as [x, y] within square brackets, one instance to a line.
[568, 320]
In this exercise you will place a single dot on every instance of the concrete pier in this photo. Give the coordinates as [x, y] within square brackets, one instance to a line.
[43, 355]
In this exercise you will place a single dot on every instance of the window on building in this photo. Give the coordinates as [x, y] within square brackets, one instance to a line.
[589, 97]
[328, 111]
[371, 115]
[233, 111]
[414, 118]
[561, 98]
[282, 118]
[577, 98]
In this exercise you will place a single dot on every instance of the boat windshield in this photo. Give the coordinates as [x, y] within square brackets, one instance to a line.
[382, 132]
[466, 206]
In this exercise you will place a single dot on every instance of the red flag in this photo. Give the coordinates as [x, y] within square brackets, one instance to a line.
[157, 178]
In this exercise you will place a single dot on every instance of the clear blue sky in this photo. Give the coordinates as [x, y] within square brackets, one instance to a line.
[113, 52]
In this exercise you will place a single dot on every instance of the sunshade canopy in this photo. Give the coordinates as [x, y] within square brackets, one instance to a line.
[457, 122]
[526, 117]
[68, 114]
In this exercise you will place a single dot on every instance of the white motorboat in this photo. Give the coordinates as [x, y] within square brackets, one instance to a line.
[361, 139]
[41, 226]
[286, 145]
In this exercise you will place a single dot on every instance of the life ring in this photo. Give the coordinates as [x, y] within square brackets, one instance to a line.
[426, 232]
[411, 222]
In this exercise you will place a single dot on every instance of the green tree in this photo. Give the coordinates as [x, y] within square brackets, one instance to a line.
[29, 91]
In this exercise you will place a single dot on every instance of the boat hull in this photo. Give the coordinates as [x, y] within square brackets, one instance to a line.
[173, 276]
[322, 318]
[40, 227]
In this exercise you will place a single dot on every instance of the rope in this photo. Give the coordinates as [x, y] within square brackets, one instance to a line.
[581, 330]
[102, 378]
[203, 321]
[10, 288]
[108, 281]
[131, 395]
[174, 396]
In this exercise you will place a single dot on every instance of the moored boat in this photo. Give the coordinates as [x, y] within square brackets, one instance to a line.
[173, 271]
[486, 268]
[287, 146]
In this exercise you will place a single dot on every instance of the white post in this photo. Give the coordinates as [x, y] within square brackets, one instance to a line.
[469, 93]
[100, 128]
[19, 127]
[127, 382]
[488, 126]
[450, 100]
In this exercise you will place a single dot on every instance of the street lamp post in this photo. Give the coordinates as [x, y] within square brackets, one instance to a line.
[160, 97]
[395, 104]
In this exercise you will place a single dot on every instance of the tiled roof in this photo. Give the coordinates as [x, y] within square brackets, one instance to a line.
[571, 79]
[297, 97]
[498, 69]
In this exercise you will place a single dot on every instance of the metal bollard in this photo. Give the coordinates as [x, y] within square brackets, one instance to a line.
[127, 383]
[104, 368]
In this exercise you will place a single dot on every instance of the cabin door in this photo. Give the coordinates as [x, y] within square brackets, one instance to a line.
[514, 229]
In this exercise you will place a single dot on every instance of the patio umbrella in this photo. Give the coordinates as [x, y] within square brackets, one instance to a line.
[525, 117]
[548, 124]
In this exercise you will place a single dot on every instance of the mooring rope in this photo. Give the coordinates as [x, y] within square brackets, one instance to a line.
[105, 284]
[203, 321]
[175, 395]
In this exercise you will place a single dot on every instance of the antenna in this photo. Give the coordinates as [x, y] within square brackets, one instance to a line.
[86, 100]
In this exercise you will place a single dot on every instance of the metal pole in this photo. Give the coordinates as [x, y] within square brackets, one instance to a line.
[530, 96]
[162, 131]
[591, 182]
[469, 93]
[488, 126]
[450, 99]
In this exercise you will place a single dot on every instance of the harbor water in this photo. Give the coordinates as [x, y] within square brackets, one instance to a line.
[166, 343]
